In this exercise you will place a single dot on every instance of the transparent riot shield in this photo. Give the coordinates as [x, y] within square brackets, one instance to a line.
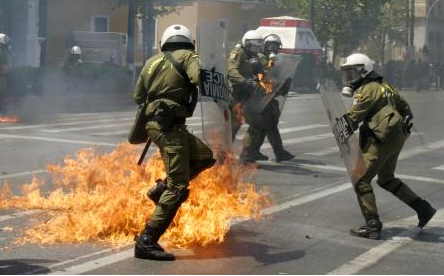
[215, 112]
[345, 138]
[274, 83]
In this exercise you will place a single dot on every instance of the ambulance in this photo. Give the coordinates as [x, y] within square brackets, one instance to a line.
[297, 39]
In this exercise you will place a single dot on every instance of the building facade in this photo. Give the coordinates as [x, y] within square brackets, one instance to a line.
[429, 30]
[41, 29]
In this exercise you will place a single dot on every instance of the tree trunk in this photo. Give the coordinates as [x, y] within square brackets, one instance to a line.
[148, 30]
[132, 9]
[383, 47]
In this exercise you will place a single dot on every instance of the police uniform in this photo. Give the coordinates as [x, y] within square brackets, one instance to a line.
[240, 71]
[266, 124]
[184, 155]
[381, 156]
[73, 70]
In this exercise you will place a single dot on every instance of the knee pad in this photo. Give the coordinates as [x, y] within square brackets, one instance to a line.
[156, 192]
[362, 188]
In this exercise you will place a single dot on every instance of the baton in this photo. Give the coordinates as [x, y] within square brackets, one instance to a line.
[145, 150]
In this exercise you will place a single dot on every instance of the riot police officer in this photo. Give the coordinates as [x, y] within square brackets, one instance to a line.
[385, 116]
[73, 67]
[169, 83]
[267, 125]
[5, 65]
[241, 75]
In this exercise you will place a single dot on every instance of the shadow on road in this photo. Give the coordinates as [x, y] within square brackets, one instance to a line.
[22, 266]
[262, 253]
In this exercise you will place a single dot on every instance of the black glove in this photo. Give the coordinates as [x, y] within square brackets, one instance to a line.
[407, 125]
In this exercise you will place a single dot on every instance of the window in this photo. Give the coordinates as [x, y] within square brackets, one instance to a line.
[100, 23]
[140, 36]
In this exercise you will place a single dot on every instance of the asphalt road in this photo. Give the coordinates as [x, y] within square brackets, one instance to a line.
[305, 232]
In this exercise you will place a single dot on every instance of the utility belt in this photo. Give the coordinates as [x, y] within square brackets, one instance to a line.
[167, 116]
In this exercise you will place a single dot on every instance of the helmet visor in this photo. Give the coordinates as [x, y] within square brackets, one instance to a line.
[350, 74]
[272, 47]
[254, 46]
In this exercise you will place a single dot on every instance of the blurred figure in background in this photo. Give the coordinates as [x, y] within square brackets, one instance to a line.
[5, 65]
[73, 67]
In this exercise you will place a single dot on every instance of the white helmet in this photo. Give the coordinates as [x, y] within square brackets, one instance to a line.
[272, 38]
[359, 60]
[252, 37]
[75, 50]
[355, 68]
[176, 34]
[4, 39]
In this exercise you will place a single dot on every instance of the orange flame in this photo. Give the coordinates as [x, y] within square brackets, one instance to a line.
[4, 119]
[103, 198]
[239, 113]
[267, 86]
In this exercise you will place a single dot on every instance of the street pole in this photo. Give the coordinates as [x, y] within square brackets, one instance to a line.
[311, 74]
[412, 30]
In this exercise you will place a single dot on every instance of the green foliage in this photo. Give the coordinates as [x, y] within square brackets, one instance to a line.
[348, 22]
[164, 7]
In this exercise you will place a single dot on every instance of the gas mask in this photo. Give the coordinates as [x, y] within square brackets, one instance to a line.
[253, 47]
[271, 48]
[352, 77]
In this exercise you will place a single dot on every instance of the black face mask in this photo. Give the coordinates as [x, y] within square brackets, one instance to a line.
[271, 47]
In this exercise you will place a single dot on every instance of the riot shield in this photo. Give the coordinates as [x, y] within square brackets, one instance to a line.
[345, 138]
[274, 83]
[215, 112]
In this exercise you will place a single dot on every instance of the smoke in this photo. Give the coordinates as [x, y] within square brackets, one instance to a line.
[38, 94]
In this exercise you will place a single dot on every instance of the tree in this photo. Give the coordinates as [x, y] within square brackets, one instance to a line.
[147, 11]
[392, 28]
[345, 22]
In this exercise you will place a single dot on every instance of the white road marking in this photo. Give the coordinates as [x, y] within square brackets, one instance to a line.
[7, 176]
[58, 130]
[68, 123]
[114, 119]
[377, 253]
[404, 176]
[300, 128]
[19, 215]
[68, 141]
[324, 152]
[110, 133]
[301, 140]
[441, 168]
[422, 149]
[241, 135]
[126, 254]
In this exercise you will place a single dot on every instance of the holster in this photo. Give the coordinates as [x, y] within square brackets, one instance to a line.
[166, 117]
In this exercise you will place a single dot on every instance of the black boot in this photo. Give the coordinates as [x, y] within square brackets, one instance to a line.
[156, 192]
[372, 230]
[246, 157]
[148, 248]
[424, 210]
[283, 155]
[259, 156]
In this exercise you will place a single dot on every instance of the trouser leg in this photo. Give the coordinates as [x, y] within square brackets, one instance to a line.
[201, 156]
